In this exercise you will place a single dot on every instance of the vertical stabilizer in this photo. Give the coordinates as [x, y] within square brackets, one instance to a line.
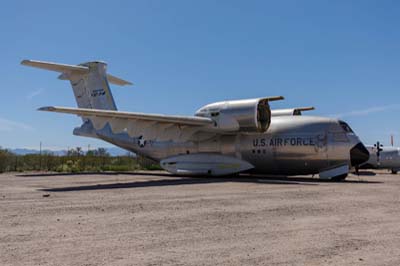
[91, 89]
[89, 81]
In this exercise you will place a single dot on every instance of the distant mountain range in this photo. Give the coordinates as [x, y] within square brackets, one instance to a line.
[113, 151]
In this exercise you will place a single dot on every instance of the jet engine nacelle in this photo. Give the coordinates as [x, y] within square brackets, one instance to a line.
[291, 112]
[253, 115]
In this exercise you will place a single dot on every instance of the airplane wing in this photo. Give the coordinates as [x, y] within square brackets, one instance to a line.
[153, 126]
[170, 119]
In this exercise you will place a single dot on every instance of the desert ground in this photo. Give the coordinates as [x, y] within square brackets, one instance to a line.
[157, 219]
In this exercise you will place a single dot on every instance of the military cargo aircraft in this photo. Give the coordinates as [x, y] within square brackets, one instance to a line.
[383, 157]
[222, 138]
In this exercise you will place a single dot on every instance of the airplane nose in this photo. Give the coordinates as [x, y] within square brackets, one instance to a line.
[359, 154]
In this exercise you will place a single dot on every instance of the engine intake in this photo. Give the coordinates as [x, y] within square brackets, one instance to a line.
[253, 115]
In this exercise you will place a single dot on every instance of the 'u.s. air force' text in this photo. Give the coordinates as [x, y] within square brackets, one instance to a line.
[283, 142]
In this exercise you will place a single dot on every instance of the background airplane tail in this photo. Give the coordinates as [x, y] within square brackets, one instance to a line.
[89, 81]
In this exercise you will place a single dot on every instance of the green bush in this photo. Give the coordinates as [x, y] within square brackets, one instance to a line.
[153, 167]
[94, 161]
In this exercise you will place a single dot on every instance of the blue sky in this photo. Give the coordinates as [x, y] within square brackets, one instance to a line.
[341, 56]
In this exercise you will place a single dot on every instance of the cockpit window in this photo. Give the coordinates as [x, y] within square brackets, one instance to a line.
[346, 127]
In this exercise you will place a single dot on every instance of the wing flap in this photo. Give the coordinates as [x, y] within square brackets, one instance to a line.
[180, 120]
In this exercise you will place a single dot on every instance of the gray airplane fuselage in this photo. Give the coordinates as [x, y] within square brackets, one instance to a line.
[389, 158]
[293, 145]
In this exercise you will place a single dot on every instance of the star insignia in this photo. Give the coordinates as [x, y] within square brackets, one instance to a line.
[141, 142]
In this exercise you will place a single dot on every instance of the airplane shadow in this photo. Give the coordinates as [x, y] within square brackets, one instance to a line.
[366, 173]
[171, 182]
[94, 173]
[179, 181]
[314, 180]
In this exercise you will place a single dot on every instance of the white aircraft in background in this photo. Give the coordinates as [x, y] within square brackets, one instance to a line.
[383, 157]
[222, 138]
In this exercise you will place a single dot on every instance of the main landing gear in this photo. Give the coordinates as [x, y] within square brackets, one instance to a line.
[336, 174]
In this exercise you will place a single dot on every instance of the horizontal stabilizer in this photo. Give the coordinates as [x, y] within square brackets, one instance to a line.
[117, 81]
[181, 120]
[68, 69]
[56, 67]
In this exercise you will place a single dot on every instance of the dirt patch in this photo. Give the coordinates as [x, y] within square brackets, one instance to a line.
[157, 219]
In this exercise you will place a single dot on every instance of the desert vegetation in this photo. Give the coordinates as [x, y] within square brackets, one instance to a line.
[75, 160]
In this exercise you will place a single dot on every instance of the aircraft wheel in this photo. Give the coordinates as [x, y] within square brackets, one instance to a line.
[394, 172]
[339, 178]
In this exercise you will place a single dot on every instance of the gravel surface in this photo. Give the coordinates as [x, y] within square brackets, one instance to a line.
[157, 219]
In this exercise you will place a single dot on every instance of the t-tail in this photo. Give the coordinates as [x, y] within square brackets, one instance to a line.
[89, 81]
